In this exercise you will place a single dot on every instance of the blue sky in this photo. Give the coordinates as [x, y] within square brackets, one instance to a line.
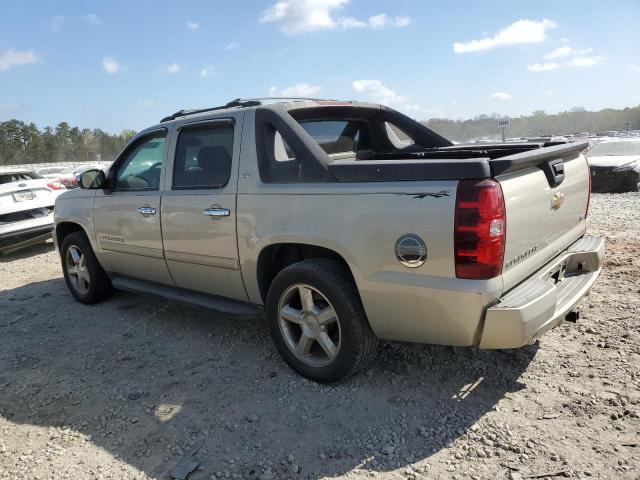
[125, 64]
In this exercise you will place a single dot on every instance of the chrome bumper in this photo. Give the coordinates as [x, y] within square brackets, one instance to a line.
[543, 301]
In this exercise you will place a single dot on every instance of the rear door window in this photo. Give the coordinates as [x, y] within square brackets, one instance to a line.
[203, 157]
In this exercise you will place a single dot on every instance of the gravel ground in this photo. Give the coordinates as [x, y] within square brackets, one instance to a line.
[137, 387]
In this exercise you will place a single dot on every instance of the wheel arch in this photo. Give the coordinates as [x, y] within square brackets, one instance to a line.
[64, 229]
[275, 257]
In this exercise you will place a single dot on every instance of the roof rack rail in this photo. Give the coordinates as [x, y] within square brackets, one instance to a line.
[238, 102]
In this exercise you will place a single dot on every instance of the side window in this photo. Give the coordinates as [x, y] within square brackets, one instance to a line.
[281, 150]
[140, 169]
[203, 157]
[398, 138]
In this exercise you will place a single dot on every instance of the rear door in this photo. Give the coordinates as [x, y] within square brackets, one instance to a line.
[127, 217]
[199, 208]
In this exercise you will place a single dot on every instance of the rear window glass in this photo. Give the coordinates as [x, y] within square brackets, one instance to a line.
[335, 136]
[18, 177]
[614, 149]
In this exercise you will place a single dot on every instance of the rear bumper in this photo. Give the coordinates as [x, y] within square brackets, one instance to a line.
[542, 302]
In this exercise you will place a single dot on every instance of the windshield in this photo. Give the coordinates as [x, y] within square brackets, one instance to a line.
[18, 177]
[614, 149]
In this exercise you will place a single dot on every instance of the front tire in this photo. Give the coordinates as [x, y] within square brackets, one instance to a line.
[317, 321]
[84, 276]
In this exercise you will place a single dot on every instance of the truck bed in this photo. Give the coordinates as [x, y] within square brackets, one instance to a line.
[454, 163]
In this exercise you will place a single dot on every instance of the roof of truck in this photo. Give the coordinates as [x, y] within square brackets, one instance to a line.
[289, 103]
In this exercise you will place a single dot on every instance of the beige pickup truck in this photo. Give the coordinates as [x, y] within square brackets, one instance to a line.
[345, 222]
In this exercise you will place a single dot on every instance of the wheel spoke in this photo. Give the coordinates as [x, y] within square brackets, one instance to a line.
[75, 255]
[81, 261]
[327, 345]
[304, 345]
[84, 274]
[290, 314]
[306, 298]
[326, 316]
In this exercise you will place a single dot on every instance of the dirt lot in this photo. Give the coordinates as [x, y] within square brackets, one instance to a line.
[135, 387]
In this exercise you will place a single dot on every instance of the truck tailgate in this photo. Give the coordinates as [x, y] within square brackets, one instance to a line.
[545, 210]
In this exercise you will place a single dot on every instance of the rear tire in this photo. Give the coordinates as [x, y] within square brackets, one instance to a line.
[317, 321]
[83, 274]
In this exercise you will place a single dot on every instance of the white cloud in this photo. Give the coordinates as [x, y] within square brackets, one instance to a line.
[56, 23]
[111, 65]
[559, 52]
[15, 58]
[569, 57]
[520, 32]
[583, 61]
[231, 46]
[298, 16]
[502, 96]
[383, 20]
[297, 90]
[565, 52]
[350, 22]
[635, 68]
[378, 92]
[208, 72]
[193, 26]
[579, 61]
[173, 68]
[92, 19]
[542, 67]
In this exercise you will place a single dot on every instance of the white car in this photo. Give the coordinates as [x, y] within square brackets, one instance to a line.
[53, 172]
[26, 208]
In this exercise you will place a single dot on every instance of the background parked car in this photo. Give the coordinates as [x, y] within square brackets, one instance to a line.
[615, 166]
[26, 208]
[53, 172]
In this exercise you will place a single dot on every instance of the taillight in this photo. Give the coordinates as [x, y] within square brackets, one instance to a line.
[56, 185]
[586, 211]
[480, 228]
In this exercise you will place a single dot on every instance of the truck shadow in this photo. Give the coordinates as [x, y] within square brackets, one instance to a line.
[157, 383]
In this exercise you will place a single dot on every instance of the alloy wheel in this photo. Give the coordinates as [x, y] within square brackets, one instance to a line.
[77, 270]
[309, 325]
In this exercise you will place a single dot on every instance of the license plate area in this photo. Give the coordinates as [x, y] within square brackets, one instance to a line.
[24, 195]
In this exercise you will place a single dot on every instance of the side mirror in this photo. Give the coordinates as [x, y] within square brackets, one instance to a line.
[91, 179]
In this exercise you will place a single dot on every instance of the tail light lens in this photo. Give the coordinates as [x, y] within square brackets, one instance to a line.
[586, 211]
[480, 228]
[56, 185]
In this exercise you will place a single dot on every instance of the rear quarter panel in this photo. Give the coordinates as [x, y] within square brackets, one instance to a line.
[362, 222]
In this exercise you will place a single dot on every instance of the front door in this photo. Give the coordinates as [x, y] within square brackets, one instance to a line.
[199, 209]
[127, 216]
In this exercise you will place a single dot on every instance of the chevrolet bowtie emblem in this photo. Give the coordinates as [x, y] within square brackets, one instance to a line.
[557, 200]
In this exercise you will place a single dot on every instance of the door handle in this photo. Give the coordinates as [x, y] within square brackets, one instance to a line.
[146, 210]
[216, 212]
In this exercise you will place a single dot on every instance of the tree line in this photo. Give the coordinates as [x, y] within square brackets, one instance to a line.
[539, 123]
[22, 142]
